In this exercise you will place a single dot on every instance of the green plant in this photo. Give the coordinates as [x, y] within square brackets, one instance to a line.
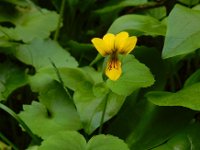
[54, 93]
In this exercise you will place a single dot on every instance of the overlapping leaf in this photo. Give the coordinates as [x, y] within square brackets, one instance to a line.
[163, 122]
[75, 141]
[89, 97]
[183, 32]
[135, 75]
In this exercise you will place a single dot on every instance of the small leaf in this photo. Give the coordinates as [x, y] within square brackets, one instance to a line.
[135, 75]
[55, 112]
[187, 97]
[39, 53]
[138, 25]
[183, 32]
[106, 142]
[67, 140]
[11, 78]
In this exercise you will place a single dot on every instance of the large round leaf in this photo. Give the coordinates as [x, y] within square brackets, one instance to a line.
[55, 112]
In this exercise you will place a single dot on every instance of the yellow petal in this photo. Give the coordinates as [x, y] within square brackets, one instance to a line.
[113, 69]
[100, 45]
[129, 45]
[109, 40]
[120, 40]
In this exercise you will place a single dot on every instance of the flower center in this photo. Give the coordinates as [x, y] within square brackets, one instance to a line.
[113, 62]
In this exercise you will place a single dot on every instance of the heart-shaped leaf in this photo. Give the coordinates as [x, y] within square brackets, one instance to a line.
[55, 112]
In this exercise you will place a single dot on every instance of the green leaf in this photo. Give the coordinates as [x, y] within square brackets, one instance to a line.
[138, 25]
[74, 141]
[35, 147]
[156, 65]
[135, 75]
[4, 146]
[95, 75]
[69, 140]
[194, 78]
[11, 78]
[106, 142]
[186, 139]
[196, 7]
[55, 112]
[39, 53]
[73, 78]
[89, 93]
[33, 24]
[158, 13]
[42, 78]
[189, 2]
[187, 97]
[90, 107]
[148, 125]
[117, 6]
[89, 96]
[183, 32]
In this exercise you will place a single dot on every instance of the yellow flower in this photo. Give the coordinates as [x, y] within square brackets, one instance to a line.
[113, 45]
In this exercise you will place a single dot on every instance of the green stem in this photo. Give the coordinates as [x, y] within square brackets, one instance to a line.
[14, 115]
[103, 114]
[59, 78]
[60, 20]
[146, 6]
[8, 141]
[97, 58]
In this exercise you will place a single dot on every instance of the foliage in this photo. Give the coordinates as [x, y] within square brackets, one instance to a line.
[53, 90]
